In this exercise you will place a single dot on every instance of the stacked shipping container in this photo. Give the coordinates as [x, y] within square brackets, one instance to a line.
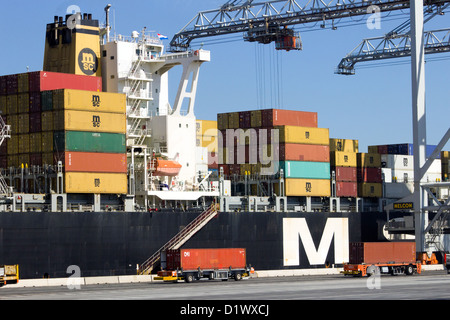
[343, 158]
[207, 138]
[301, 150]
[63, 117]
[369, 175]
[445, 165]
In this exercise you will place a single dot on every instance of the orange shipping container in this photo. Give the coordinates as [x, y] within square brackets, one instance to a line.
[275, 117]
[95, 162]
[382, 252]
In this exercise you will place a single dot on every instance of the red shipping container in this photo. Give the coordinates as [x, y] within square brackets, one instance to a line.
[206, 259]
[3, 85]
[346, 189]
[35, 119]
[366, 174]
[383, 149]
[276, 117]
[35, 102]
[235, 169]
[213, 160]
[36, 159]
[12, 84]
[382, 252]
[95, 162]
[346, 174]
[46, 81]
[226, 169]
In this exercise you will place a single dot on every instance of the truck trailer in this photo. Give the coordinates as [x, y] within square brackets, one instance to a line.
[194, 264]
[394, 258]
[9, 274]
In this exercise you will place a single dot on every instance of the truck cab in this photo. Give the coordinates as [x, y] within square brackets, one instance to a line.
[447, 262]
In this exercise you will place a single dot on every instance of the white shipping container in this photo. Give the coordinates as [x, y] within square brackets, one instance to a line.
[398, 190]
[387, 174]
[397, 161]
[399, 175]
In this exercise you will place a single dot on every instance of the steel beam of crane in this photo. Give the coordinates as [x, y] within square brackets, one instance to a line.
[396, 46]
[252, 18]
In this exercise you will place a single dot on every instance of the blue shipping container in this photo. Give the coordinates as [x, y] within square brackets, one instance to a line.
[305, 169]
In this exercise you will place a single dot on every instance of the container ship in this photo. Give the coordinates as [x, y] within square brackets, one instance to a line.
[99, 170]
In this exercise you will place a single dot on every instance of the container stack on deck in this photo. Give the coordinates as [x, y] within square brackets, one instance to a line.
[64, 117]
[445, 165]
[302, 148]
[343, 155]
[369, 175]
[398, 168]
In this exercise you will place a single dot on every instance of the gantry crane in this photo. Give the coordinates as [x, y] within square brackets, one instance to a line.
[272, 21]
[396, 44]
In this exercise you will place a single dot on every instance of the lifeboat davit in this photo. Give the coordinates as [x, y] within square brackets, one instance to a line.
[166, 168]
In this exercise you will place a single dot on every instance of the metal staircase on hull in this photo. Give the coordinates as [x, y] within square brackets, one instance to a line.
[5, 133]
[180, 239]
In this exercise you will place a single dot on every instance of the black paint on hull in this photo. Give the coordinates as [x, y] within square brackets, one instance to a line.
[104, 244]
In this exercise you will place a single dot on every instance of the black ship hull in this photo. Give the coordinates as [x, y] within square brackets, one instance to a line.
[103, 244]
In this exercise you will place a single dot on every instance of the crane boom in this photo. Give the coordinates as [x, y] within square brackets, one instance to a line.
[266, 21]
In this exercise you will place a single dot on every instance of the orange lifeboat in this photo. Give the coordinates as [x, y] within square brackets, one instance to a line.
[165, 168]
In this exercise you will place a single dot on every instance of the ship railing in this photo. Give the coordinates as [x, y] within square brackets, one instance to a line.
[178, 240]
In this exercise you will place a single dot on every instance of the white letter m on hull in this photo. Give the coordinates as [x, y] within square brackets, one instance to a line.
[296, 229]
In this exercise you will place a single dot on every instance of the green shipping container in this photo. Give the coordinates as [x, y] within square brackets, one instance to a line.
[89, 142]
[305, 169]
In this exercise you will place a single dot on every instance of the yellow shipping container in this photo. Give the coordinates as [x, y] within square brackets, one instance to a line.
[304, 135]
[23, 103]
[48, 158]
[233, 120]
[343, 159]
[206, 128]
[307, 188]
[246, 169]
[210, 142]
[36, 142]
[24, 143]
[345, 145]
[13, 121]
[369, 160]
[47, 141]
[95, 183]
[13, 145]
[90, 101]
[222, 121]
[11, 104]
[256, 119]
[23, 83]
[3, 106]
[372, 149]
[24, 123]
[370, 190]
[13, 160]
[47, 121]
[24, 159]
[89, 121]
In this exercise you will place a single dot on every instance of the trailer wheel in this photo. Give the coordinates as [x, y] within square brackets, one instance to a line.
[372, 270]
[189, 278]
[409, 270]
[237, 276]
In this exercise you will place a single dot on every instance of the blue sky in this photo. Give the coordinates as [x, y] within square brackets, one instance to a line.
[373, 106]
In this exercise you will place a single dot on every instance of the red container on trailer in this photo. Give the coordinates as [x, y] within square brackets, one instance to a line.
[382, 252]
[216, 259]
